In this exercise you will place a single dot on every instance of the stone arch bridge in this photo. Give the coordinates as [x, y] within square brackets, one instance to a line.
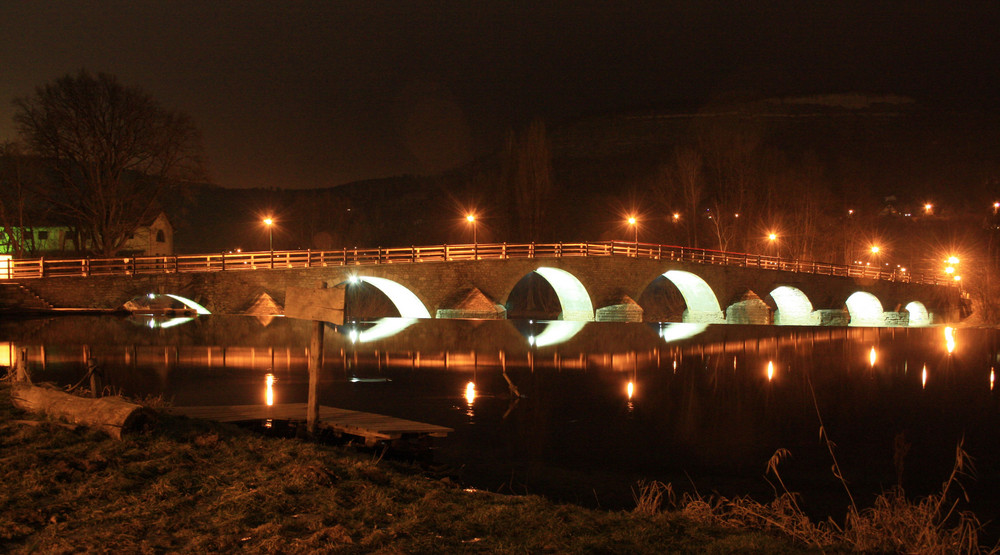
[593, 281]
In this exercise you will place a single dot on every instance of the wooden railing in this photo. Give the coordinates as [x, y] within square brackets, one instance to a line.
[139, 265]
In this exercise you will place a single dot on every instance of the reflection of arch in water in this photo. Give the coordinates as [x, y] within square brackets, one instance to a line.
[793, 307]
[918, 314]
[865, 309]
[676, 331]
[556, 331]
[702, 304]
[383, 328]
[573, 296]
[405, 301]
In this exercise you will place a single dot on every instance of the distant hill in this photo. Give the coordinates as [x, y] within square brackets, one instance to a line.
[866, 147]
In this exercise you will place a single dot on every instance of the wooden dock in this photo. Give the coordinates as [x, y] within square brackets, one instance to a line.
[369, 426]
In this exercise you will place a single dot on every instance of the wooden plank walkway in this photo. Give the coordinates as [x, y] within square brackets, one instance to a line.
[370, 426]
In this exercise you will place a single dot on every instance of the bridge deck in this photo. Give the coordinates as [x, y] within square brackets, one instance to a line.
[370, 426]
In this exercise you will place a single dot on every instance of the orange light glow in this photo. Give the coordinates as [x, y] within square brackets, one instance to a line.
[269, 390]
[268, 221]
[923, 378]
[470, 218]
[872, 357]
[992, 378]
[632, 220]
[772, 236]
[949, 339]
[770, 370]
[875, 249]
[470, 392]
[630, 390]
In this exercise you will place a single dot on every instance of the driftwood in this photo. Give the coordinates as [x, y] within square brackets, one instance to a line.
[112, 415]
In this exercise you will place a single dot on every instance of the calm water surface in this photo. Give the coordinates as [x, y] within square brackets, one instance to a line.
[602, 405]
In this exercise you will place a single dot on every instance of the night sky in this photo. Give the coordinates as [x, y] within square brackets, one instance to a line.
[311, 94]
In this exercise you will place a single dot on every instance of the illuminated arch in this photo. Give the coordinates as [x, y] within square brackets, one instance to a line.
[793, 307]
[865, 309]
[408, 305]
[190, 304]
[918, 314]
[702, 304]
[573, 296]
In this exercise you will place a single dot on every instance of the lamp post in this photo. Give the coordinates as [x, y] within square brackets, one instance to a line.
[632, 221]
[471, 218]
[270, 235]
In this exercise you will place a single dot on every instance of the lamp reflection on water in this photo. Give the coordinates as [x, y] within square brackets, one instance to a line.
[949, 339]
[770, 370]
[470, 393]
[923, 378]
[269, 390]
[630, 390]
[992, 378]
[872, 357]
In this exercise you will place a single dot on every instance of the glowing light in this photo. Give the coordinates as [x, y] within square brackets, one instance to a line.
[928, 207]
[958, 278]
[872, 357]
[573, 296]
[555, 332]
[407, 303]
[383, 328]
[992, 378]
[630, 390]
[6, 359]
[949, 270]
[772, 236]
[953, 260]
[190, 304]
[697, 293]
[770, 370]
[677, 216]
[918, 314]
[923, 378]
[875, 249]
[865, 309]
[850, 212]
[470, 218]
[631, 220]
[470, 392]
[949, 339]
[268, 221]
[269, 390]
[676, 331]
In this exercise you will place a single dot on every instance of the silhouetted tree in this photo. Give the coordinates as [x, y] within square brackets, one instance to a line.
[113, 150]
[528, 173]
[18, 176]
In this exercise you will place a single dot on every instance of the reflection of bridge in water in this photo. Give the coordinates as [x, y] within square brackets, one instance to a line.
[349, 353]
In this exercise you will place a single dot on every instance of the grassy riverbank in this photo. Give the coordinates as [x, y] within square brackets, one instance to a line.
[193, 486]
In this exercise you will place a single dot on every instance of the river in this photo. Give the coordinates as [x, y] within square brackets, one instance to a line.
[599, 406]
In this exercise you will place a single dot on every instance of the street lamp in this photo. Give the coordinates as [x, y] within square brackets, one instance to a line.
[632, 221]
[471, 218]
[270, 235]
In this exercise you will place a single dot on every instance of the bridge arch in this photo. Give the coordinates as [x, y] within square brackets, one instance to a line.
[154, 299]
[793, 307]
[919, 316]
[574, 299]
[865, 309]
[702, 304]
[405, 301]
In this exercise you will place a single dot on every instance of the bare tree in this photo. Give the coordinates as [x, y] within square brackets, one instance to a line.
[18, 174]
[113, 149]
[528, 171]
[690, 176]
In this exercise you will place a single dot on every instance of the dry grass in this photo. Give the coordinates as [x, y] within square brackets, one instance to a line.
[194, 487]
[893, 524]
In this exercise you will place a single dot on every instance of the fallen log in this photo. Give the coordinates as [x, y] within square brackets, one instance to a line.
[112, 415]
